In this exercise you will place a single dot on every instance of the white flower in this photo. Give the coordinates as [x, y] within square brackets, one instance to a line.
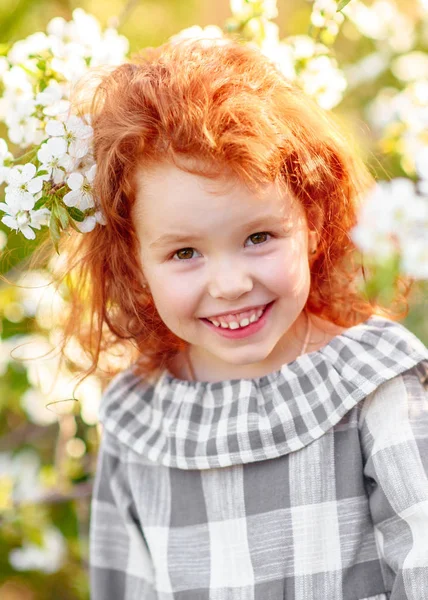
[383, 21]
[24, 220]
[369, 68]
[414, 259]
[54, 158]
[22, 469]
[52, 93]
[58, 27]
[86, 27]
[303, 46]
[21, 121]
[47, 558]
[17, 83]
[81, 194]
[209, 35]
[76, 133]
[324, 14]
[411, 66]
[100, 217]
[244, 9]
[421, 161]
[323, 80]
[70, 67]
[5, 155]
[24, 128]
[3, 244]
[111, 50]
[34, 404]
[60, 109]
[35, 43]
[4, 152]
[394, 218]
[23, 185]
[90, 222]
[53, 101]
[282, 56]
[372, 242]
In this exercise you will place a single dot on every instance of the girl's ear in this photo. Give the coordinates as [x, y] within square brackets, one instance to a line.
[313, 241]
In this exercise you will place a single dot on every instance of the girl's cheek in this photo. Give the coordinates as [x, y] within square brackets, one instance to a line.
[174, 295]
[284, 275]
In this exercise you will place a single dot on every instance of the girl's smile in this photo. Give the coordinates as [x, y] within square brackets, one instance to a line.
[227, 267]
[242, 328]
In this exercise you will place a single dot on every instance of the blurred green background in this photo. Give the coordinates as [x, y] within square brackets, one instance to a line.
[48, 453]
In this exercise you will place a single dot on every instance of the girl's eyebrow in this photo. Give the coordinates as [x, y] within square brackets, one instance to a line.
[169, 238]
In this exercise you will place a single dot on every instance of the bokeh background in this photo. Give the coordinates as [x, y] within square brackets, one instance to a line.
[48, 449]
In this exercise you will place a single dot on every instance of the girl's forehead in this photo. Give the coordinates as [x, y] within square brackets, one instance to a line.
[165, 191]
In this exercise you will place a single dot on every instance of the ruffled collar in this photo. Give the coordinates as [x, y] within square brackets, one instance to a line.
[202, 425]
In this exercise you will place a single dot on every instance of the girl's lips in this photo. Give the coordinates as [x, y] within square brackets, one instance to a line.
[242, 332]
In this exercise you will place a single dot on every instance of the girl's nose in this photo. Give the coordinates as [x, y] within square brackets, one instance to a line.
[229, 282]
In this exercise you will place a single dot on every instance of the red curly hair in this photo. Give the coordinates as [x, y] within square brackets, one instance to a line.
[230, 107]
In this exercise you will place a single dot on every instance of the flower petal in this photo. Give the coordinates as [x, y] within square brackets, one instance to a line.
[35, 185]
[10, 222]
[57, 146]
[90, 174]
[86, 201]
[55, 128]
[72, 198]
[7, 208]
[44, 154]
[75, 181]
[28, 171]
[100, 217]
[28, 232]
[19, 200]
[87, 225]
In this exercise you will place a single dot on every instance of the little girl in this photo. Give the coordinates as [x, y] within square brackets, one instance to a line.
[271, 439]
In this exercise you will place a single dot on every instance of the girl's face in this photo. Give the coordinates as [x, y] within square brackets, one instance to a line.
[211, 249]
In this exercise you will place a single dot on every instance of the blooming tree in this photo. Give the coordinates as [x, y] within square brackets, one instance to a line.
[38, 73]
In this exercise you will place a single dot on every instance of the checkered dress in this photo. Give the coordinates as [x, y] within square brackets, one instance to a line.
[310, 483]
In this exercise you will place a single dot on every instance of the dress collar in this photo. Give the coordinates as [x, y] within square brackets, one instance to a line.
[202, 425]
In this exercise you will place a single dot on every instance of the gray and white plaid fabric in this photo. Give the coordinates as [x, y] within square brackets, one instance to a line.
[310, 483]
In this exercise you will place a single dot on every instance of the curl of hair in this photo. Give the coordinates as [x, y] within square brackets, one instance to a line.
[228, 106]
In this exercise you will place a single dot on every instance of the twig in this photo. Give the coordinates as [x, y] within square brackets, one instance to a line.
[118, 21]
[78, 492]
[24, 433]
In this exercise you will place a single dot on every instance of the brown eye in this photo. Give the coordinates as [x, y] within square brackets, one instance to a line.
[259, 238]
[184, 253]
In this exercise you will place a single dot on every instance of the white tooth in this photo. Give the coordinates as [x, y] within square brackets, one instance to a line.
[244, 322]
[233, 325]
[216, 323]
[224, 325]
[259, 313]
[253, 318]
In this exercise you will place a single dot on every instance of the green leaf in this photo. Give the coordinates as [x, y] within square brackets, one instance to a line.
[341, 5]
[54, 228]
[63, 216]
[40, 173]
[76, 214]
[41, 202]
[74, 226]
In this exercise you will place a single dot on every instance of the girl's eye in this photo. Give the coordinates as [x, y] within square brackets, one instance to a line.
[188, 253]
[259, 238]
[184, 253]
